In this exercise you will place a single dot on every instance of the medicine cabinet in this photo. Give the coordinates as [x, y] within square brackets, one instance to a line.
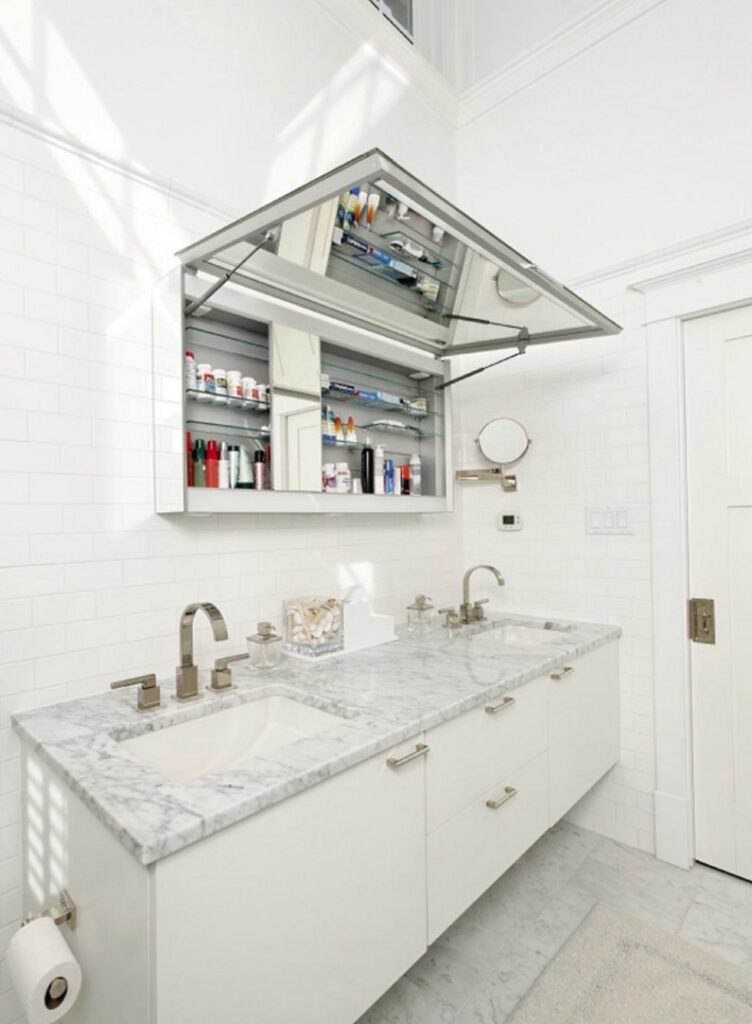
[324, 324]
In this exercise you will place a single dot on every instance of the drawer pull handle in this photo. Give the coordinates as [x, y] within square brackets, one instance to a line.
[493, 709]
[421, 750]
[509, 793]
[562, 673]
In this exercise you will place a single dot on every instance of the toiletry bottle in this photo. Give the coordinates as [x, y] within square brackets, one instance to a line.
[234, 464]
[344, 480]
[415, 474]
[378, 470]
[212, 464]
[189, 459]
[404, 479]
[367, 467]
[224, 465]
[199, 463]
[259, 471]
[190, 371]
[245, 471]
[351, 434]
[220, 386]
[329, 478]
[389, 476]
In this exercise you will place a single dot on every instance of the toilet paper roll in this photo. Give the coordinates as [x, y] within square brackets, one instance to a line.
[44, 972]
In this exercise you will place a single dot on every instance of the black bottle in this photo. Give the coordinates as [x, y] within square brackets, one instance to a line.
[366, 467]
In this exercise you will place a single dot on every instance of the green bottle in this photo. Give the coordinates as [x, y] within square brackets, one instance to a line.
[199, 463]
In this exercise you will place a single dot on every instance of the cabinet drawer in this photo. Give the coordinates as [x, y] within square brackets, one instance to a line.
[472, 850]
[583, 723]
[471, 752]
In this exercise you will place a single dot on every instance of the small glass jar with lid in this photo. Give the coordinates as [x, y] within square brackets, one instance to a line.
[265, 648]
[420, 615]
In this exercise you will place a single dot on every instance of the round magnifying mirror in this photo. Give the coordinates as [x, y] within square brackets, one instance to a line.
[503, 441]
[514, 291]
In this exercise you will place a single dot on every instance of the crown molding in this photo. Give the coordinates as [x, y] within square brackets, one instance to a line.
[674, 254]
[538, 62]
[694, 270]
[30, 125]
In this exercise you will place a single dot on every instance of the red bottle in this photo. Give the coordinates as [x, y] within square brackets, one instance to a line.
[212, 464]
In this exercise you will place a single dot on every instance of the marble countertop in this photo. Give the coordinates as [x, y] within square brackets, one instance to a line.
[384, 695]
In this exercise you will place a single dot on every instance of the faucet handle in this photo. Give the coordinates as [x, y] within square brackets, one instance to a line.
[221, 677]
[452, 617]
[148, 693]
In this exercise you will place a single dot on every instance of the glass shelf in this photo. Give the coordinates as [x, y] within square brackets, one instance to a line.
[243, 404]
[376, 403]
[384, 239]
[389, 275]
[262, 347]
[358, 446]
[230, 430]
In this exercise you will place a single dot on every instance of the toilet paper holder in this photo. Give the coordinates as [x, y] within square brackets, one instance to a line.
[64, 910]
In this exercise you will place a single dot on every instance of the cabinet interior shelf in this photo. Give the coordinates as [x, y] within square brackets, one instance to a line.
[243, 404]
[375, 403]
[230, 430]
[391, 275]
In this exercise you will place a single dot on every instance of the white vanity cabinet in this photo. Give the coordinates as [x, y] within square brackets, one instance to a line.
[308, 911]
[498, 776]
[583, 725]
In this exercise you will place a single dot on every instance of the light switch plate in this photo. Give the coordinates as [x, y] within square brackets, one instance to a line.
[607, 519]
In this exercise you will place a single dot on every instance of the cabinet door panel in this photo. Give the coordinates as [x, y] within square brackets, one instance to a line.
[469, 753]
[583, 726]
[472, 850]
[308, 911]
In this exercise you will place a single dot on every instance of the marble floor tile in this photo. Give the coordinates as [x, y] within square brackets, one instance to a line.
[720, 918]
[480, 968]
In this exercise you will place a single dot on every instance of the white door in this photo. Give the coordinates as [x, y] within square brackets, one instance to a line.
[718, 355]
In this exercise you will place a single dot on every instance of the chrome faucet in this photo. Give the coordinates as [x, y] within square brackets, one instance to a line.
[186, 674]
[474, 612]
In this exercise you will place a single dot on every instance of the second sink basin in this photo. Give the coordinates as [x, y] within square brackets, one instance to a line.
[509, 634]
[225, 739]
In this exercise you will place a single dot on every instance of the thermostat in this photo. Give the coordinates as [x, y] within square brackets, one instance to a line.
[509, 521]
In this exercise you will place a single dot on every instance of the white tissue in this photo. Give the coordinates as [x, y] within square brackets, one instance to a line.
[37, 954]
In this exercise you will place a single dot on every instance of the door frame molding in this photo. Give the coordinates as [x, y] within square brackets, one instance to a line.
[671, 301]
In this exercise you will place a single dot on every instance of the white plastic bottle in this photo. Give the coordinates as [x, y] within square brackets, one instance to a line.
[378, 470]
[415, 481]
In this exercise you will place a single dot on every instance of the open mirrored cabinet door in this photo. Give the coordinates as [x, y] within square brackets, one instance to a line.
[345, 300]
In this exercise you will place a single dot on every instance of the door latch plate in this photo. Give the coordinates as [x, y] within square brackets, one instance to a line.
[702, 620]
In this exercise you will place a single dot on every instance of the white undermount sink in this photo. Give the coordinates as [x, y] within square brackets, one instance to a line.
[225, 739]
[509, 634]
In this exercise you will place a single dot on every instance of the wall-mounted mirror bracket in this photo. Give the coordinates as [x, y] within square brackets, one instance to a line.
[508, 481]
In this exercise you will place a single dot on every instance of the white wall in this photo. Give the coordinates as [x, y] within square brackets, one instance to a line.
[239, 101]
[91, 582]
[607, 153]
[494, 33]
[584, 405]
[624, 147]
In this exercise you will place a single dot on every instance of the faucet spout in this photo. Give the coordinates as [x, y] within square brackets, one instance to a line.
[187, 673]
[474, 613]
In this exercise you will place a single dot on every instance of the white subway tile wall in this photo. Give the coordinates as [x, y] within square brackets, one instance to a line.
[584, 405]
[91, 581]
